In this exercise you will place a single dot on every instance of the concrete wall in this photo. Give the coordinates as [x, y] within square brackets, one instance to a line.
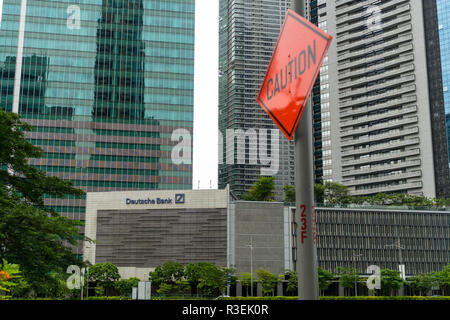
[138, 237]
[150, 238]
[261, 223]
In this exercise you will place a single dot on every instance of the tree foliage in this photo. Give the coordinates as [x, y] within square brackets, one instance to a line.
[125, 286]
[325, 278]
[199, 274]
[348, 276]
[246, 279]
[169, 273]
[421, 283]
[329, 193]
[32, 235]
[292, 281]
[443, 279]
[336, 194]
[289, 193]
[8, 272]
[390, 280]
[262, 190]
[193, 273]
[104, 275]
[268, 281]
[213, 280]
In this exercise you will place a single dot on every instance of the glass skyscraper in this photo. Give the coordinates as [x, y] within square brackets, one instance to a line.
[248, 31]
[105, 83]
[443, 11]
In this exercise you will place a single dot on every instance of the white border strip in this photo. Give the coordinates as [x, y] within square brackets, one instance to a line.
[19, 56]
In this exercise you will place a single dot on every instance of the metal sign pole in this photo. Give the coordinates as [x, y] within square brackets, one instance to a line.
[308, 284]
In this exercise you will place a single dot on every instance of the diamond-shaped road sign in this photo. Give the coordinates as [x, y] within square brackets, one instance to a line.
[293, 69]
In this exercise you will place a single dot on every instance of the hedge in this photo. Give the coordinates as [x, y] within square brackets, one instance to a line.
[345, 298]
[108, 298]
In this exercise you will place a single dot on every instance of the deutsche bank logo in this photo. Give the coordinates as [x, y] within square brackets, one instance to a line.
[179, 198]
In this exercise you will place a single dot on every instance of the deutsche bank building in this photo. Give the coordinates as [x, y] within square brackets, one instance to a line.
[140, 230]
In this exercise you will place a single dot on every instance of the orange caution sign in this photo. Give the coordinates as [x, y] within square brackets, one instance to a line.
[292, 72]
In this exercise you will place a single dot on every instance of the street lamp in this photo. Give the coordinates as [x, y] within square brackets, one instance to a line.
[354, 265]
[400, 248]
[251, 263]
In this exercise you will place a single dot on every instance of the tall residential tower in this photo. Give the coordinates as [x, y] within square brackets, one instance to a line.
[380, 99]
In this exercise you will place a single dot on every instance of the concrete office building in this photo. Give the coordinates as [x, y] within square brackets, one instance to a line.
[378, 99]
[140, 230]
[105, 83]
[386, 237]
[248, 32]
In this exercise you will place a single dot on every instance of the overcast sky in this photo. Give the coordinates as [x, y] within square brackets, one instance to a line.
[206, 94]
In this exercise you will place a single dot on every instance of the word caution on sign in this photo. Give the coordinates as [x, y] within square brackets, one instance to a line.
[293, 69]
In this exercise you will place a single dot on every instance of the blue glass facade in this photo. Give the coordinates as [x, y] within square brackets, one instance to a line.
[105, 83]
[443, 10]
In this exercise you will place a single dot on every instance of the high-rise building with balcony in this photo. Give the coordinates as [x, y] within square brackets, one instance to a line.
[379, 97]
[105, 83]
[378, 116]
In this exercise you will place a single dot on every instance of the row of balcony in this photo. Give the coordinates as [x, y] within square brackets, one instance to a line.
[382, 136]
[382, 146]
[382, 167]
[402, 58]
[362, 53]
[360, 4]
[380, 37]
[363, 110]
[366, 129]
[348, 93]
[399, 20]
[385, 178]
[385, 95]
[407, 69]
[381, 157]
[375, 117]
[404, 186]
[386, 54]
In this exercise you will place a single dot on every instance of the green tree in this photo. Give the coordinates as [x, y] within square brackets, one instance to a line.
[169, 273]
[181, 287]
[289, 193]
[262, 190]
[165, 289]
[443, 279]
[292, 282]
[325, 278]
[246, 280]
[336, 193]
[125, 286]
[421, 283]
[331, 193]
[390, 281]
[268, 281]
[193, 273]
[104, 275]
[319, 193]
[32, 235]
[213, 280]
[348, 276]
